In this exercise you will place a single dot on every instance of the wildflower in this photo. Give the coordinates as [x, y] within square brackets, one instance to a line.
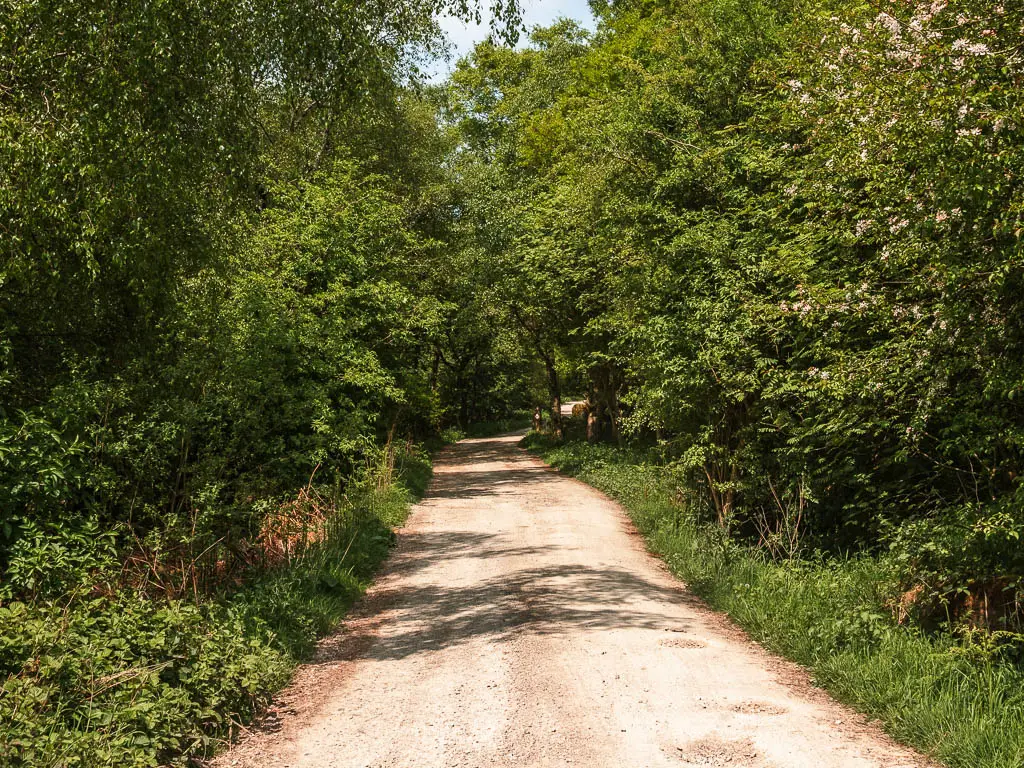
[863, 226]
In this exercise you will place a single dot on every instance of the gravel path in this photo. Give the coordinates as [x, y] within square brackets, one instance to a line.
[521, 623]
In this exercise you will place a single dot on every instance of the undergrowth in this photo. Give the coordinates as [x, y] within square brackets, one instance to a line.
[932, 691]
[116, 677]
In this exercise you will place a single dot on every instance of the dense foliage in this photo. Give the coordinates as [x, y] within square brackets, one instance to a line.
[248, 261]
[224, 263]
[782, 241]
[230, 302]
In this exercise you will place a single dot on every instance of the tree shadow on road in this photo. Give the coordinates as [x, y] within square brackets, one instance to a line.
[401, 619]
[453, 486]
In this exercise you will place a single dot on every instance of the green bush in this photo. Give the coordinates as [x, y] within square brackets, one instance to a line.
[122, 678]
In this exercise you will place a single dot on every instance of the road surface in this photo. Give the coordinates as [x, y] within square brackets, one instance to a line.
[520, 622]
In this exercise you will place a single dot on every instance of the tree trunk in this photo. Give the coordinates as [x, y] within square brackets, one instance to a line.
[613, 410]
[434, 370]
[556, 398]
[463, 404]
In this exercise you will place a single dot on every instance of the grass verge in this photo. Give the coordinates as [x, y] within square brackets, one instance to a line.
[828, 615]
[124, 679]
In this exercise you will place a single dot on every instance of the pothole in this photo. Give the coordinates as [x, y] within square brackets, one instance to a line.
[682, 642]
[757, 708]
[720, 752]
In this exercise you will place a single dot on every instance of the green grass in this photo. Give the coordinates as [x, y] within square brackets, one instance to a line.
[828, 615]
[129, 680]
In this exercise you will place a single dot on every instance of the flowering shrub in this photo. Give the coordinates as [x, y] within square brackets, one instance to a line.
[796, 236]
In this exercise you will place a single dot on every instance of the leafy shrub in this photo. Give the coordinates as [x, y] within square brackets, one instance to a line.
[50, 559]
[127, 679]
[960, 566]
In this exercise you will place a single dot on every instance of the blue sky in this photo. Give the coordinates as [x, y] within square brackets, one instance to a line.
[543, 12]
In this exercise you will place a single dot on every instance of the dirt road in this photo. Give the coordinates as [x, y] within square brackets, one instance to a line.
[521, 623]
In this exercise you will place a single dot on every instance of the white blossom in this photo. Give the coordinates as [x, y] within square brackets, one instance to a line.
[890, 23]
[973, 49]
[897, 224]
